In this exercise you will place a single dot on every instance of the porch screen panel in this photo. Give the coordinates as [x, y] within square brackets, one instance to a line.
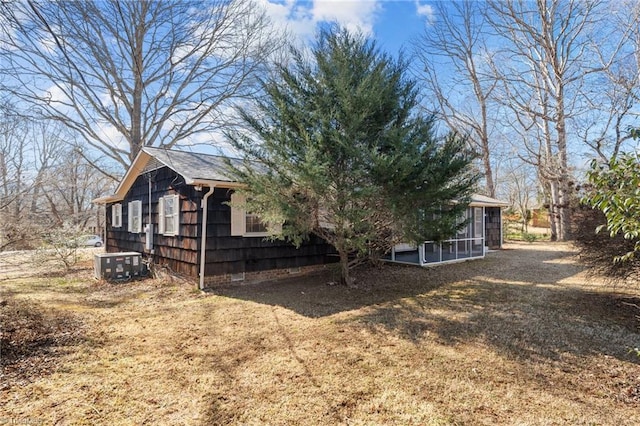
[448, 250]
[431, 253]
[464, 248]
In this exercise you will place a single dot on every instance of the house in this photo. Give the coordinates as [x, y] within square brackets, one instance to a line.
[173, 206]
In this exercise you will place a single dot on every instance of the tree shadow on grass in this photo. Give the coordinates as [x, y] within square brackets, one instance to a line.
[522, 322]
[514, 300]
[313, 296]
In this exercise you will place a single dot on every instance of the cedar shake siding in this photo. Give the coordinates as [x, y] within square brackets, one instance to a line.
[225, 254]
[228, 254]
[179, 253]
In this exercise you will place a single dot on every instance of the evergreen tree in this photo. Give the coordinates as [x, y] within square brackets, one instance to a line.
[339, 148]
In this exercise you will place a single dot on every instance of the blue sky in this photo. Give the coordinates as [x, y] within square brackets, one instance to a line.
[391, 23]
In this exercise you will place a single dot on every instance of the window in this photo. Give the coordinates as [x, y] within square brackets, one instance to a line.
[116, 215]
[169, 215]
[135, 216]
[247, 224]
[253, 224]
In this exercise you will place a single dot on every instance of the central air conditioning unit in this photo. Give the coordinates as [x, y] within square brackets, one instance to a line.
[119, 266]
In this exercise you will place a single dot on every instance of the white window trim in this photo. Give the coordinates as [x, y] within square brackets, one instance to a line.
[130, 216]
[176, 216]
[116, 215]
[239, 220]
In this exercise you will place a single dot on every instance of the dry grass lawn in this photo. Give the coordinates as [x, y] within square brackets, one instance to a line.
[521, 337]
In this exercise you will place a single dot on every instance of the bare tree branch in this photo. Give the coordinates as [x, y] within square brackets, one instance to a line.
[457, 40]
[544, 67]
[124, 74]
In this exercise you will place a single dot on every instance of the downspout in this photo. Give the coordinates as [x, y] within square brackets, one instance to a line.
[148, 235]
[104, 226]
[149, 201]
[203, 241]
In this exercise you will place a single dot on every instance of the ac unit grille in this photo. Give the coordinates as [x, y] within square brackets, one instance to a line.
[118, 266]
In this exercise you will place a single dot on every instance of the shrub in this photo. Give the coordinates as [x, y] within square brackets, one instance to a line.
[597, 250]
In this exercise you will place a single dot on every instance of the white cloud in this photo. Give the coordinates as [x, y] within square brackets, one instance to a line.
[57, 96]
[354, 15]
[425, 10]
[110, 136]
[302, 18]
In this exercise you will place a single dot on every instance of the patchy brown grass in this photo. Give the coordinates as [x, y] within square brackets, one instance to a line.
[522, 337]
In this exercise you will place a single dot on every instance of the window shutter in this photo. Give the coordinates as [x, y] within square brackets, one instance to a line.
[176, 214]
[119, 211]
[161, 215]
[237, 215]
[129, 217]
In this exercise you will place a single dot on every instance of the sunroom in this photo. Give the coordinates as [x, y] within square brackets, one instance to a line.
[482, 232]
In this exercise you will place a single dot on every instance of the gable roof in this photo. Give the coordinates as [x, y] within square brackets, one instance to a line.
[483, 200]
[207, 170]
[195, 168]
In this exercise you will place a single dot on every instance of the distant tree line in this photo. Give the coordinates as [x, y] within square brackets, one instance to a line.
[45, 183]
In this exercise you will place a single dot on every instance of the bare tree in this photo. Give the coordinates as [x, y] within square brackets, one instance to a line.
[13, 130]
[68, 189]
[455, 43]
[47, 147]
[44, 183]
[605, 127]
[545, 57]
[16, 177]
[128, 74]
[521, 188]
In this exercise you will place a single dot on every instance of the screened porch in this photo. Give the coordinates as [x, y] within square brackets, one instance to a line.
[469, 243]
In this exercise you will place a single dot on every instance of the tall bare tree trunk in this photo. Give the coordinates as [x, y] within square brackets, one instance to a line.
[554, 215]
[545, 63]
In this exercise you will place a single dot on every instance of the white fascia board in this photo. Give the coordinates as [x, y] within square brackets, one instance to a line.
[214, 183]
[106, 199]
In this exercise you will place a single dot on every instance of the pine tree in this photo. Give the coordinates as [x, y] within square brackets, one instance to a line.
[339, 148]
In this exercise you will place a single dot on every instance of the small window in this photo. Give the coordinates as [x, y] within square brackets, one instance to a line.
[169, 215]
[116, 215]
[247, 224]
[253, 224]
[135, 216]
